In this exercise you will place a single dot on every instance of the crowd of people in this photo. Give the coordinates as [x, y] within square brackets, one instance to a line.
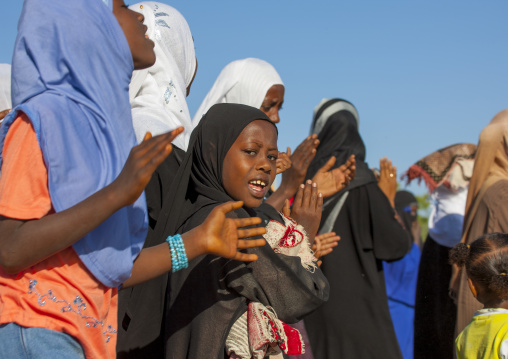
[130, 228]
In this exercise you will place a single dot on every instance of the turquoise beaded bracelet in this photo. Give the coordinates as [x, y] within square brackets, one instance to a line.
[178, 255]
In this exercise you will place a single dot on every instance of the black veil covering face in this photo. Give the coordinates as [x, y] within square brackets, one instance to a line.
[204, 300]
[355, 322]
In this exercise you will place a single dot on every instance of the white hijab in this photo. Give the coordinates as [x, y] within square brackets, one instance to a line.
[157, 94]
[5, 87]
[242, 81]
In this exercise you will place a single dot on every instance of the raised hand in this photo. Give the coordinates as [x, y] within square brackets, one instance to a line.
[324, 243]
[220, 236]
[217, 235]
[283, 161]
[143, 160]
[307, 208]
[332, 181]
[387, 180]
[293, 177]
[300, 161]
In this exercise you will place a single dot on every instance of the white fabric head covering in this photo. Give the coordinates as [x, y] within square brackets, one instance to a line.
[157, 94]
[242, 81]
[5, 87]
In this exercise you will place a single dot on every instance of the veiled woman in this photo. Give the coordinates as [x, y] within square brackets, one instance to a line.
[355, 322]
[486, 203]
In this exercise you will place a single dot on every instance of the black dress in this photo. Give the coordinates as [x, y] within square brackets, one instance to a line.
[203, 301]
[355, 322]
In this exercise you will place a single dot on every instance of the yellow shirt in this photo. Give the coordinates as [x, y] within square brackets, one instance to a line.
[485, 337]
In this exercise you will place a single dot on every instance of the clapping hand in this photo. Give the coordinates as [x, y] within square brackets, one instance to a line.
[387, 180]
[333, 181]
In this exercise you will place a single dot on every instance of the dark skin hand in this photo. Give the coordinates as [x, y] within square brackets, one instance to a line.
[283, 162]
[387, 180]
[294, 176]
[57, 231]
[324, 243]
[307, 208]
[217, 235]
[333, 181]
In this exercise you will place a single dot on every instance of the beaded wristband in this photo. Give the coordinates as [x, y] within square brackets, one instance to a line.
[178, 255]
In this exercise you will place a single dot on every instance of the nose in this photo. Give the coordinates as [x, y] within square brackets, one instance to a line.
[275, 116]
[264, 164]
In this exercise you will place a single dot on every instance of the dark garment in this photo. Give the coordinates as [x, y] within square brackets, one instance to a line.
[355, 322]
[435, 312]
[202, 301]
[209, 296]
[139, 320]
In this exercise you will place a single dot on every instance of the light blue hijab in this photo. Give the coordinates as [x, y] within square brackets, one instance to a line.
[70, 75]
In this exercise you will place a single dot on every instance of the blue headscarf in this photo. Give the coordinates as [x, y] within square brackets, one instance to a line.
[70, 75]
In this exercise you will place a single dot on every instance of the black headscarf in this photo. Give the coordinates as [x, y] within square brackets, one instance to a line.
[336, 124]
[182, 185]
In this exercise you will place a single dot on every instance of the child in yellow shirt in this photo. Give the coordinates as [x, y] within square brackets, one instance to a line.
[486, 262]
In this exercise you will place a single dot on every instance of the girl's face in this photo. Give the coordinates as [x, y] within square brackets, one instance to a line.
[273, 101]
[249, 166]
[140, 45]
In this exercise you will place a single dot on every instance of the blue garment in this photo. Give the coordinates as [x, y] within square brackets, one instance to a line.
[24, 343]
[400, 278]
[70, 75]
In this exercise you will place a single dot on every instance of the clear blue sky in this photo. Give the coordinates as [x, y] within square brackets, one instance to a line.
[423, 74]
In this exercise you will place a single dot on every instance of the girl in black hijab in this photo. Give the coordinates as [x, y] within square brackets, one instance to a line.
[355, 322]
[231, 154]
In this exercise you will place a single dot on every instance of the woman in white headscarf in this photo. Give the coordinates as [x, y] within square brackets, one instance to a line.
[157, 94]
[252, 82]
[5, 90]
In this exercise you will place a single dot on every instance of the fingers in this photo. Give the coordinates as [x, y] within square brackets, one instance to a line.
[297, 203]
[251, 232]
[148, 135]
[286, 209]
[328, 165]
[250, 243]
[314, 196]
[325, 237]
[152, 146]
[319, 206]
[307, 194]
[244, 257]
[288, 152]
[231, 206]
[283, 162]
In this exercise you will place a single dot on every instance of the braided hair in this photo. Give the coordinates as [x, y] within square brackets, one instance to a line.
[486, 262]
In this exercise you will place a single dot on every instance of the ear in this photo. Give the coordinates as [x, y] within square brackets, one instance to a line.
[473, 288]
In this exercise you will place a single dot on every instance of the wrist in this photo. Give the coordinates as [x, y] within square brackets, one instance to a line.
[195, 242]
[112, 197]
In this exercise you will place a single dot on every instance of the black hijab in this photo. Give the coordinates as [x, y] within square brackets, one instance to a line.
[205, 299]
[181, 186]
[336, 124]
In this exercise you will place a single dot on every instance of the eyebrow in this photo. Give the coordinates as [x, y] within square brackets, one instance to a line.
[259, 144]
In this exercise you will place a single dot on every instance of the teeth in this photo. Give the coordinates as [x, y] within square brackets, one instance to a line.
[259, 182]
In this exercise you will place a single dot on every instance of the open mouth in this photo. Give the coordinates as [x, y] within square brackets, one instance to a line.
[258, 187]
